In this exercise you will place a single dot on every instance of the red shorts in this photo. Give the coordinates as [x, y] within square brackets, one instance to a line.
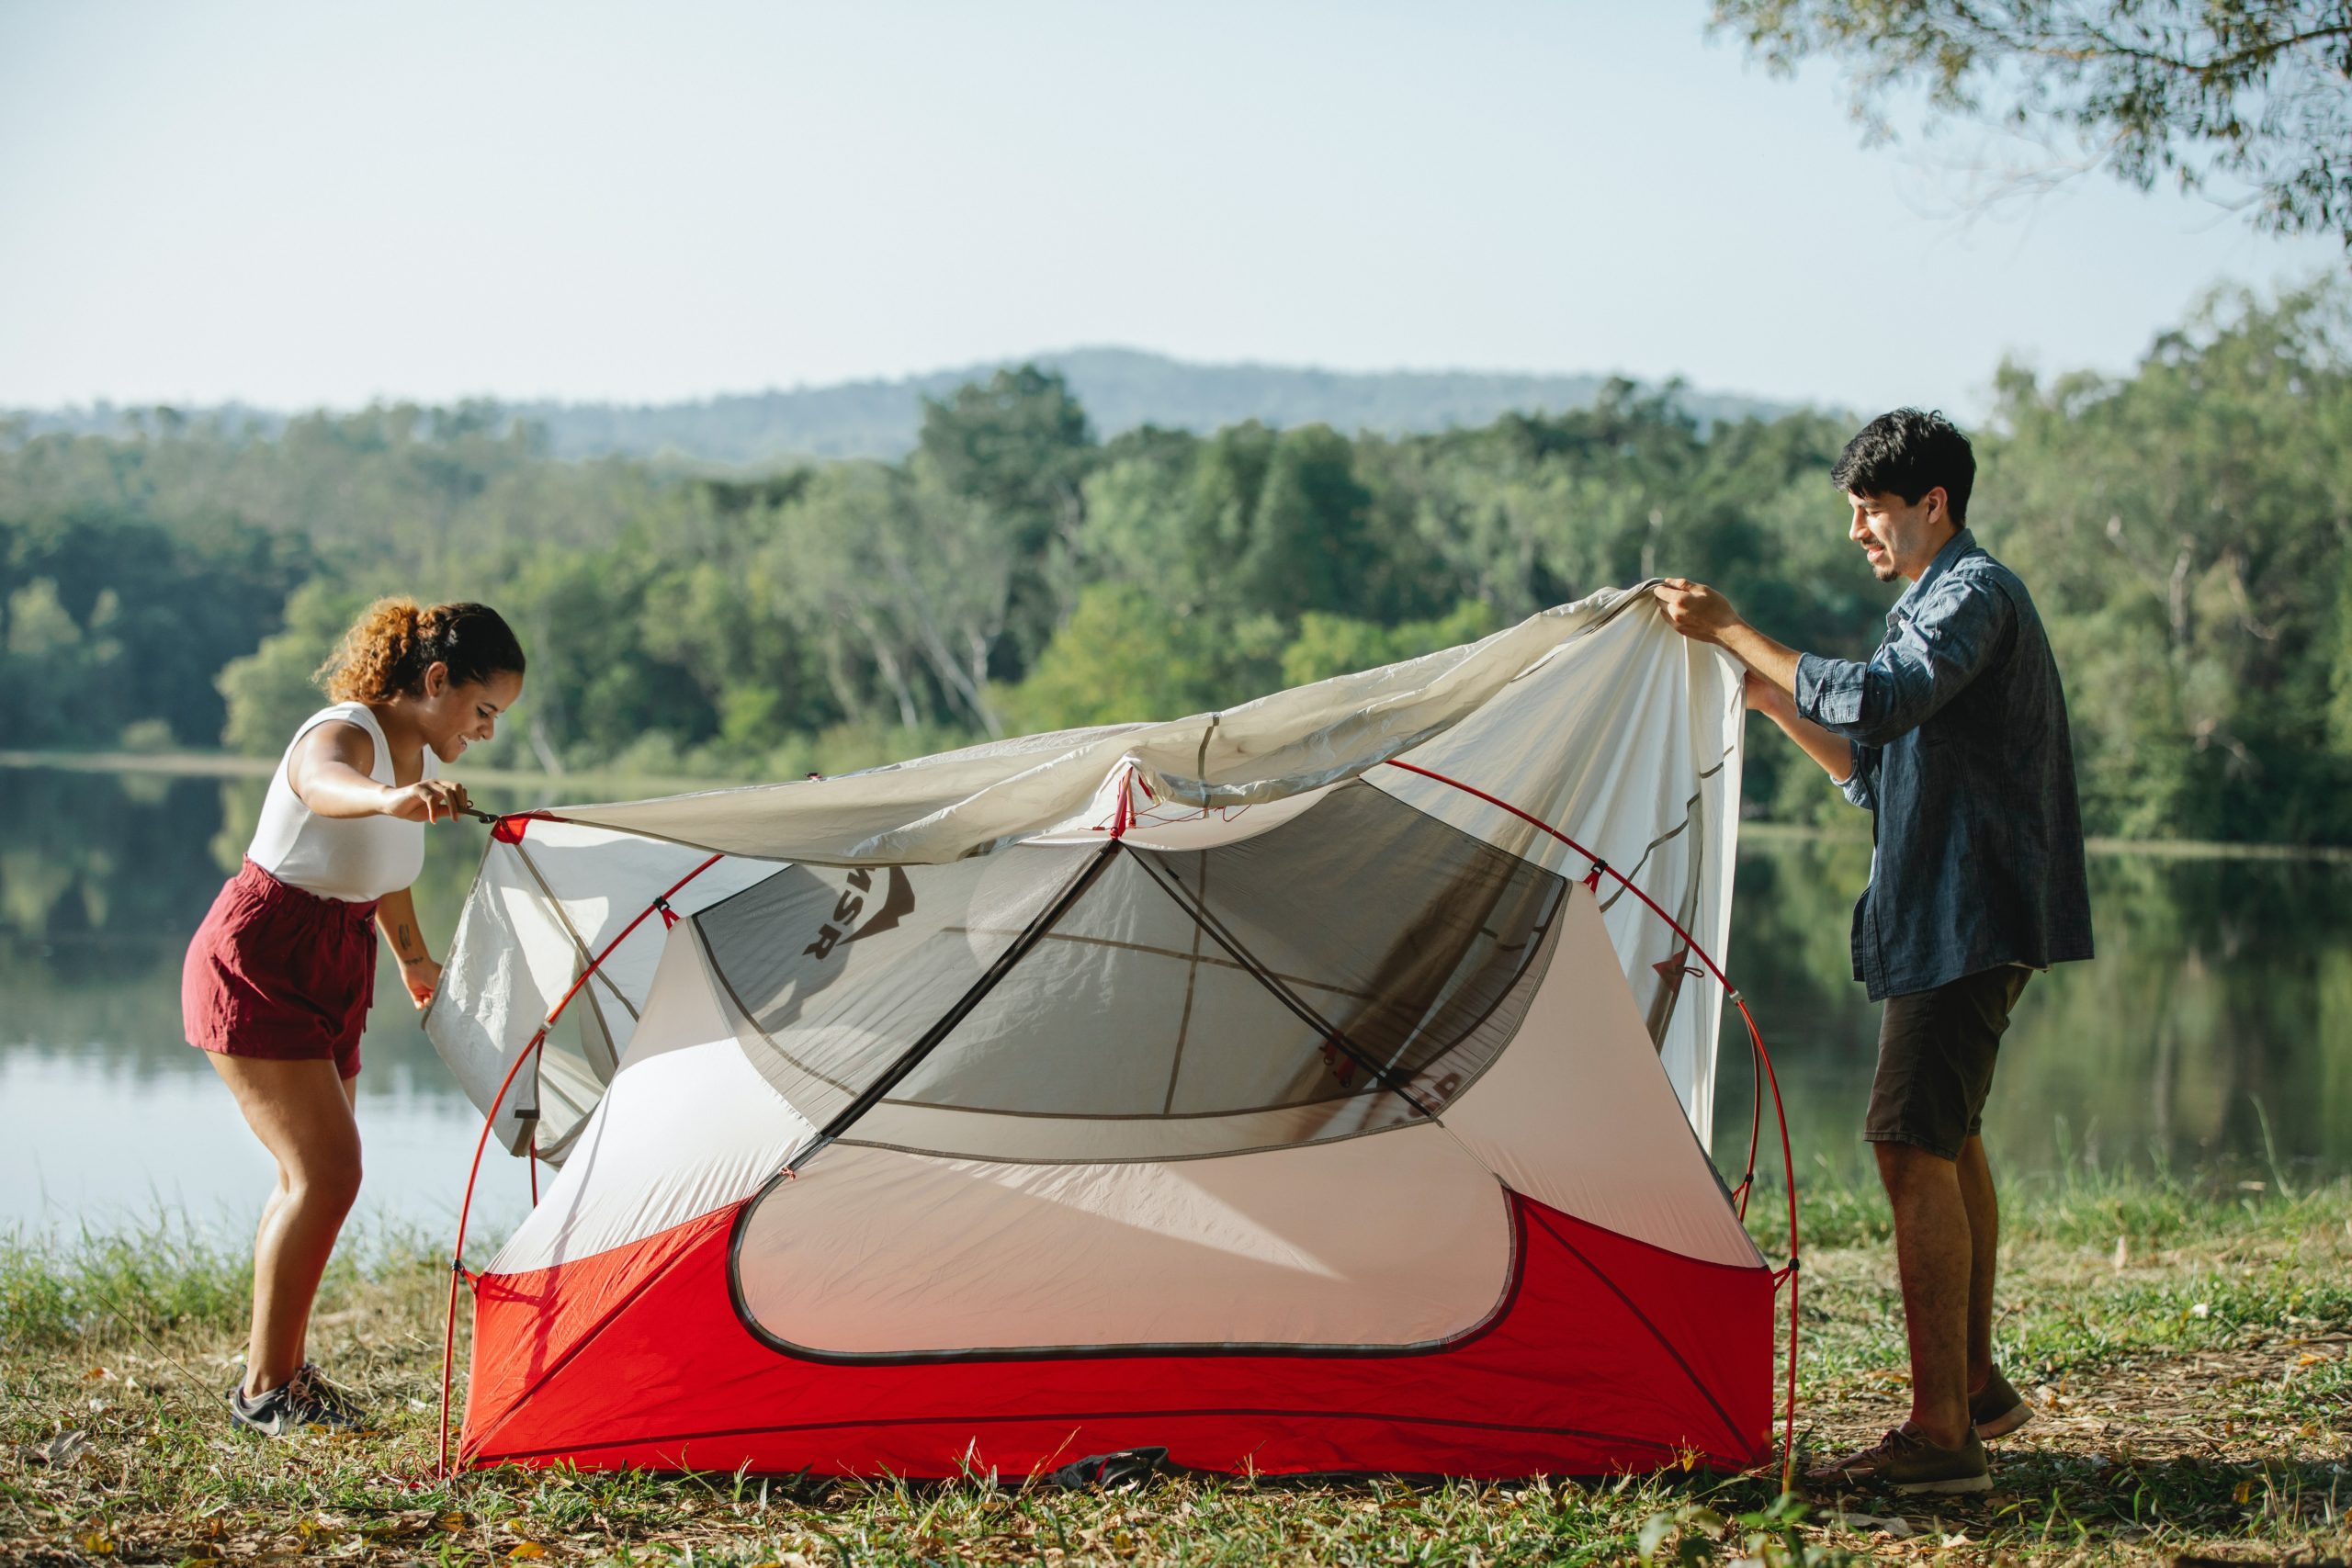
[280, 974]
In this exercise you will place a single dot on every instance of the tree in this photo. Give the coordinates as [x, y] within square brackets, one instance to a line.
[2185, 533]
[1310, 544]
[108, 621]
[1335, 645]
[1019, 447]
[1126, 655]
[272, 689]
[2244, 97]
[1174, 511]
[897, 574]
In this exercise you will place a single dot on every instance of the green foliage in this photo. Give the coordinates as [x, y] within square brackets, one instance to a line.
[1339, 645]
[109, 621]
[2182, 528]
[2223, 95]
[274, 687]
[1768, 1537]
[2184, 533]
[1176, 512]
[2339, 713]
[1126, 654]
[1016, 453]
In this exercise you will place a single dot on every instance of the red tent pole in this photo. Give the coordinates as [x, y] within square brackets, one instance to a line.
[537, 1044]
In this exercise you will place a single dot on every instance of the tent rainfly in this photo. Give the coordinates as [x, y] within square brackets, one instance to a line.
[1278, 1086]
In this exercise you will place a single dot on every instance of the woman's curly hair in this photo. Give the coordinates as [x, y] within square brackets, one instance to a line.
[393, 644]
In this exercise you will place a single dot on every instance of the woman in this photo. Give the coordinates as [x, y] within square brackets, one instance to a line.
[279, 978]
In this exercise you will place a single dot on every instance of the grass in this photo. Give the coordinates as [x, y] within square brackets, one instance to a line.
[2188, 1351]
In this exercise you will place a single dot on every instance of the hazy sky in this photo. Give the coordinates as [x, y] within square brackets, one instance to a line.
[296, 204]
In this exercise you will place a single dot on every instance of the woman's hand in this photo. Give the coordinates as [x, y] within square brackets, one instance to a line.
[427, 800]
[422, 978]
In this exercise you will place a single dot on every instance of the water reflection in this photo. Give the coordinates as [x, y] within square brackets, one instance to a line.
[2214, 1033]
[2223, 998]
[109, 1118]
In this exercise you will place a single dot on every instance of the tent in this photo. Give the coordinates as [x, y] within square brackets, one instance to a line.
[1292, 1087]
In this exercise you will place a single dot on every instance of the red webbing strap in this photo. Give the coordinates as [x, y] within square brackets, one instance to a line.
[1123, 815]
[530, 1052]
[1756, 1042]
[508, 828]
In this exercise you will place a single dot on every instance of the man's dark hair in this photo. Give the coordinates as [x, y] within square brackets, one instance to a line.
[1907, 453]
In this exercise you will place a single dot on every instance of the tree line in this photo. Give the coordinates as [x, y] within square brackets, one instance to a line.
[2183, 528]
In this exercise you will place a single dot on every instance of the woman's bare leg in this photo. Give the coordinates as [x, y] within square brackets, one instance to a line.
[302, 1112]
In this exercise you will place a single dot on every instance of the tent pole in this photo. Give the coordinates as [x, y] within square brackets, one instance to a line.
[913, 1056]
[490, 1119]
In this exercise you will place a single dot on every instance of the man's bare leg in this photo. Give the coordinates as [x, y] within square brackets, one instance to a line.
[1934, 1261]
[1983, 1246]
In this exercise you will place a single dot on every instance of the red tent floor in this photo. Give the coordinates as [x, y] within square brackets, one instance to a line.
[1608, 1354]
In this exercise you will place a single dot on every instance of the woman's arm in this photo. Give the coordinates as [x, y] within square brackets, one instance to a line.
[328, 771]
[396, 918]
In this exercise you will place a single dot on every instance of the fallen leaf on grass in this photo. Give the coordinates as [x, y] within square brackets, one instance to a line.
[61, 1450]
[1898, 1527]
[528, 1549]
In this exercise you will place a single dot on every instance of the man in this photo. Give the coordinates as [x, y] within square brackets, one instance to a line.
[1954, 735]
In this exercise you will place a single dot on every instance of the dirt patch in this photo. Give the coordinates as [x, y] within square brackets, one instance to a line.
[2219, 1404]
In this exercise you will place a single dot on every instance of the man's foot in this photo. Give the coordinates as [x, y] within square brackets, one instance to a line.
[1998, 1409]
[304, 1403]
[1904, 1460]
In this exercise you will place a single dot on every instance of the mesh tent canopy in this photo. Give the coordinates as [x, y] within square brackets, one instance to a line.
[1660, 800]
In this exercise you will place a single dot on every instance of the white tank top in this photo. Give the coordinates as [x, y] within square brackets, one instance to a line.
[356, 859]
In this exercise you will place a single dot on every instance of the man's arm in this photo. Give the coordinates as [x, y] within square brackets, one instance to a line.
[1948, 643]
[1835, 755]
[1699, 612]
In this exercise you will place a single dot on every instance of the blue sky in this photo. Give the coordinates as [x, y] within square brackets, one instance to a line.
[304, 204]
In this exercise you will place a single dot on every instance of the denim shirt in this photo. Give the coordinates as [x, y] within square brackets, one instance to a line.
[1962, 755]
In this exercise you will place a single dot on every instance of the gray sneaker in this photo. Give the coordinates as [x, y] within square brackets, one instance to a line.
[304, 1403]
[1998, 1409]
[1904, 1460]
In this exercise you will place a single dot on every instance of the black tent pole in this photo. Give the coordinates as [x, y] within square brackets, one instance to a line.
[994, 975]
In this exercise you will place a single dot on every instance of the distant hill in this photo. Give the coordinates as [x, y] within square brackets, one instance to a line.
[1122, 388]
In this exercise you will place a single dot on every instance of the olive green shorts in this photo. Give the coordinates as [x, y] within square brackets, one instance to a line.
[1936, 1051]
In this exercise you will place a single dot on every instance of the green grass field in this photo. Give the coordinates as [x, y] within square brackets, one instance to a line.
[2188, 1351]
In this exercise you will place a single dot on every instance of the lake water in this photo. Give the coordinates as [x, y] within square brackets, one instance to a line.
[2213, 1033]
